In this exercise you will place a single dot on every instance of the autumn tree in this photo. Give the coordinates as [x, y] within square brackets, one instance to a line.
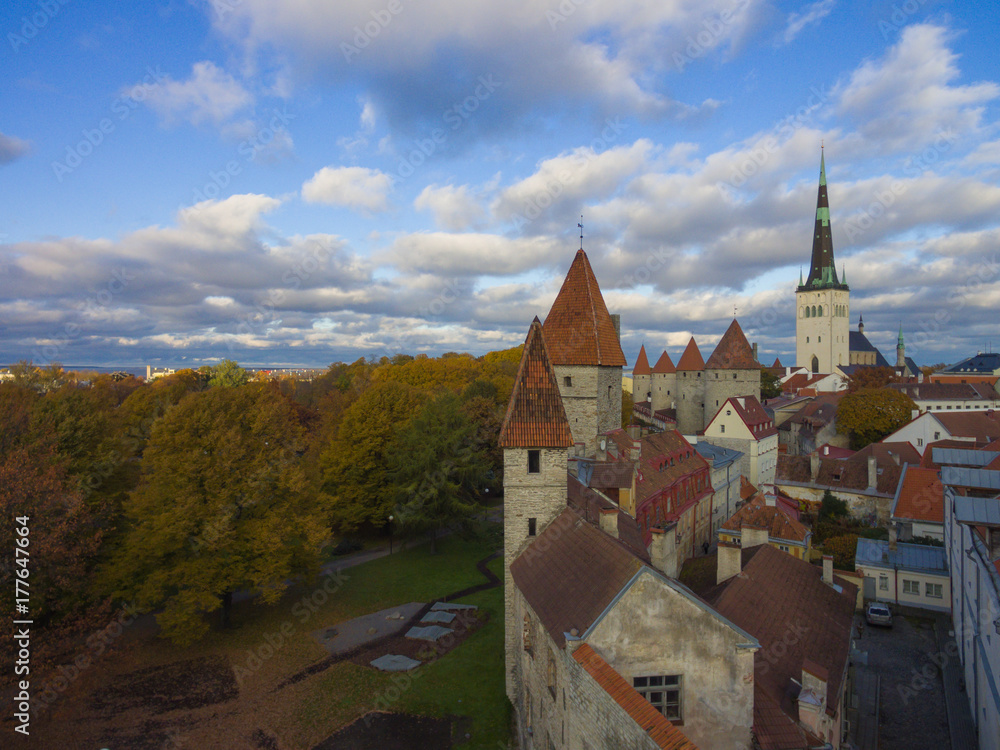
[628, 401]
[437, 469]
[222, 506]
[871, 378]
[770, 385]
[870, 415]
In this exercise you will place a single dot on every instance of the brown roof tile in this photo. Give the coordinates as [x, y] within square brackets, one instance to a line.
[733, 351]
[758, 514]
[804, 619]
[748, 409]
[589, 505]
[656, 725]
[571, 573]
[578, 328]
[641, 363]
[691, 358]
[980, 425]
[535, 415]
[664, 365]
[655, 470]
[920, 496]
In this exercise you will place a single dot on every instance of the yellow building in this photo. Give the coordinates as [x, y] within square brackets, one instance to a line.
[761, 521]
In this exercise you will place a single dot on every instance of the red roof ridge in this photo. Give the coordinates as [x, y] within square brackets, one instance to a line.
[733, 352]
[656, 725]
[641, 363]
[691, 358]
[535, 414]
[664, 365]
[578, 328]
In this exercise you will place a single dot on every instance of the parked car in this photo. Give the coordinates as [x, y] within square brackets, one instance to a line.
[878, 613]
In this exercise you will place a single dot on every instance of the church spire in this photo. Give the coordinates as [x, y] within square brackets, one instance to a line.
[822, 271]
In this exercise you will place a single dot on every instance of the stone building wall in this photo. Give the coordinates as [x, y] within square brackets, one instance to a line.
[609, 399]
[824, 336]
[690, 402]
[723, 384]
[579, 397]
[664, 390]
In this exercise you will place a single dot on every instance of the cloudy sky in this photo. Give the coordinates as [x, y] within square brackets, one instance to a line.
[308, 181]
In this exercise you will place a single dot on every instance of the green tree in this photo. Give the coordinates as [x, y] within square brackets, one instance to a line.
[438, 471]
[223, 506]
[770, 386]
[869, 415]
[627, 403]
[227, 374]
[832, 507]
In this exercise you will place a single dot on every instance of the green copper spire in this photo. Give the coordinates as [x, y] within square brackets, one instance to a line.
[822, 270]
[899, 342]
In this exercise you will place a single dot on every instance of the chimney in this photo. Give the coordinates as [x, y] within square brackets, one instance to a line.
[633, 431]
[616, 321]
[770, 500]
[752, 536]
[609, 521]
[663, 549]
[636, 449]
[893, 536]
[872, 473]
[826, 450]
[914, 413]
[730, 561]
[755, 358]
[814, 466]
[602, 448]
[828, 569]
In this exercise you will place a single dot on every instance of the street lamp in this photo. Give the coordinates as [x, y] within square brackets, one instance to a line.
[390, 535]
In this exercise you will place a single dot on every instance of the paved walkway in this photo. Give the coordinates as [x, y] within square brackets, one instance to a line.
[963, 732]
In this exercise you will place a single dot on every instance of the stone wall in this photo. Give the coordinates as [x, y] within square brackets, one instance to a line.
[690, 402]
[580, 400]
[827, 336]
[609, 399]
[721, 384]
[664, 388]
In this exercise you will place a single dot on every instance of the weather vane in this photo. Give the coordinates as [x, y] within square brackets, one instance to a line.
[581, 231]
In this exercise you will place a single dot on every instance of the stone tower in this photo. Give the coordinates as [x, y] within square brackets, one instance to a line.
[586, 355]
[663, 383]
[822, 301]
[641, 377]
[690, 378]
[900, 350]
[731, 371]
[535, 436]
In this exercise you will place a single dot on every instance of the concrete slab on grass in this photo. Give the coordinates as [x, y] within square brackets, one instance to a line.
[448, 606]
[440, 617]
[395, 663]
[430, 633]
[350, 634]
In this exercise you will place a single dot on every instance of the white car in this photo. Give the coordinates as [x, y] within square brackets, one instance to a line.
[878, 613]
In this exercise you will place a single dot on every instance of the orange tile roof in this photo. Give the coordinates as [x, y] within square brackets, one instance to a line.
[691, 358]
[920, 496]
[656, 725]
[641, 363]
[733, 351]
[777, 364]
[535, 415]
[758, 514]
[578, 328]
[664, 366]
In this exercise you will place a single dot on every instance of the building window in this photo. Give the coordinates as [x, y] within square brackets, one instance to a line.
[807, 339]
[532, 526]
[534, 460]
[722, 428]
[663, 692]
[819, 339]
[932, 590]
[551, 678]
[568, 381]
[883, 582]
[920, 441]
[783, 547]
[911, 587]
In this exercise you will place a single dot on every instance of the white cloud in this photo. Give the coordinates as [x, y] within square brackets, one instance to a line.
[209, 95]
[453, 207]
[471, 254]
[811, 14]
[353, 187]
[12, 148]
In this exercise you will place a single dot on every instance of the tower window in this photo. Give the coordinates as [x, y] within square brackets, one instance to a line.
[568, 381]
[532, 526]
[534, 461]
[819, 339]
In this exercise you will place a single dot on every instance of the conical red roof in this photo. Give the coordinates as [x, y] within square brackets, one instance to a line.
[535, 415]
[777, 364]
[664, 366]
[578, 329]
[691, 358]
[641, 363]
[733, 352]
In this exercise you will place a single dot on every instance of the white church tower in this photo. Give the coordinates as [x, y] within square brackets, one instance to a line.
[822, 302]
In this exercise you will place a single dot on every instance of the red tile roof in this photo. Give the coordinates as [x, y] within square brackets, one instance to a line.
[589, 505]
[776, 730]
[691, 358]
[552, 574]
[655, 470]
[849, 474]
[777, 364]
[578, 328]
[804, 619]
[535, 415]
[664, 365]
[733, 351]
[979, 425]
[920, 496]
[641, 363]
[656, 725]
[748, 408]
[759, 515]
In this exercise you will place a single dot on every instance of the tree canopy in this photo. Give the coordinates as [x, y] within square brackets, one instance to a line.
[870, 414]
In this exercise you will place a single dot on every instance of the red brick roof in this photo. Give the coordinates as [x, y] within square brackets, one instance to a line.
[664, 365]
[535, 415]
[656, 471]
[733, 351]
[641, 363]
[777, 364]
[589, 505]
[759, 515]
[979, 425]
[920, 496]
[578, 328]
[804, 619]
[571, 572]
[849, 474]
[776, 730]
[691, 358]
[656, 725]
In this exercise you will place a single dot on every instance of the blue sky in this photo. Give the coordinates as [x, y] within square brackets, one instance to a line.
[306, 182]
